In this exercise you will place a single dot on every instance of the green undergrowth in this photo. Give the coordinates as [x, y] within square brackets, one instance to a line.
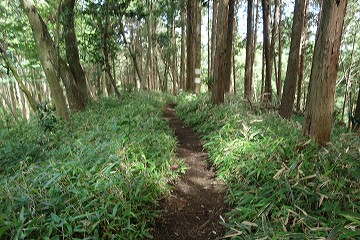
[280, 185]
[99, 178]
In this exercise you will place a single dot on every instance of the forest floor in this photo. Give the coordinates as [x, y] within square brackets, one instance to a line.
[196, 204]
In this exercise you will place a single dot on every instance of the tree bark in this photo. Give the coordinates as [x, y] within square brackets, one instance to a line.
[214, 37]
[254, 95]
[249, 63]
[229, 45]
[191, 45]
[72, 55]
[174, 63]
[273, 40]
[321, 95]
[220, 56]
[197, 74]
[47, 55]
[292, 72]
[279, 76]
[268, 66]
[356, 119]
[183, 48]
[302, 58]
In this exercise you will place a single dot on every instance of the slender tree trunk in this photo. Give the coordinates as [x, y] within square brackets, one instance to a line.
[321, 95]
[268, 66]
[292, 72]
[279, 76]
[273, 39]
[302, 58]
[234, 71]
[356, 126]
[254, 50]
[348, 83]
[209, 41]
[72, 55]
[22, 86]
[214, 37]
[249, 63]
[262, 75]
[12, 111]
[132, 54]
[220, 57]
[197, 79]
[106, 50]
[183, 48]
[191, 45]
[174, 65]
[47, 55]
[229, 45]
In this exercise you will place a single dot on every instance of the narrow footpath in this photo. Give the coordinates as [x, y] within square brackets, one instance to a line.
[196, 205]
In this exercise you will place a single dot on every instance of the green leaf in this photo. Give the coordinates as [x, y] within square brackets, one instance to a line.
[353, 217]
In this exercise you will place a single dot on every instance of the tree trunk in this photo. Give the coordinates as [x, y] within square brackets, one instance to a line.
[174, 65]
[268, 66]
[321, 95]
[197, 79]
[220, 56]
[183, 47]
[254, 50]
[132, 54]
[273, 39]
[106, 50]
[249, 63]
[47, 55]
[229, 45]
[279, 76]
[356, 119]
[292, 72]
[302, 58]
[22, 86]
[191, 45]
[72, 55]
[214, 37]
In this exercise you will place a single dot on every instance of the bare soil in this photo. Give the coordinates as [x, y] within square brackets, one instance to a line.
[196, 204]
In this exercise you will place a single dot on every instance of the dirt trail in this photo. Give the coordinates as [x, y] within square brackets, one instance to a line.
[196, 202]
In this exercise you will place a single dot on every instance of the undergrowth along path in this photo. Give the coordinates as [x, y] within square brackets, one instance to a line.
[196, 204]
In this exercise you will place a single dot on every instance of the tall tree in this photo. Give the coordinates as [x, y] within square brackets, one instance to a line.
[214, 37]
[22, 86]
[321, 95]
[229, 45]
[266, 41]
[72, 54]
[303, 48]
[105, 36]
[220, 54]
[47, 55]
[191, 44]
[279, 76]
[183, 46]
[249, 61]
[273, 39]
[292, 72]
[197, 79]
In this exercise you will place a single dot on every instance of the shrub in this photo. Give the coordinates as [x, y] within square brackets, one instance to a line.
[100, 177]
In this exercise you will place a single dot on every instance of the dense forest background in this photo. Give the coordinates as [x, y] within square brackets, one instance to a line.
[76, 75]
[170, 46]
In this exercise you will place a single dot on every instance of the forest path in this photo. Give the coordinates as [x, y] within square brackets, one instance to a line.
[196, 202]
